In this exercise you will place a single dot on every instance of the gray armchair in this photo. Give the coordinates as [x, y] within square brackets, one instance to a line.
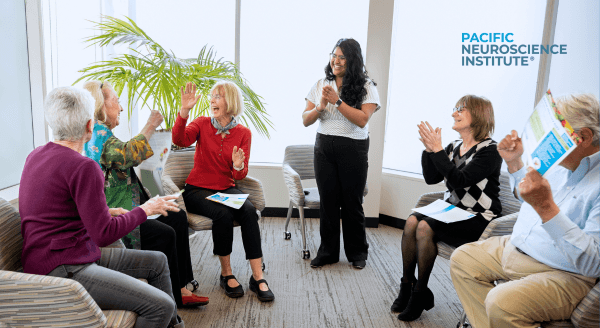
[178, 167]
[585, 314]
[298, 165]
[29, 300]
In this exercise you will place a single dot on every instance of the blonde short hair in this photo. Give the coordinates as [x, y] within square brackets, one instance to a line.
[233, 97]
[96, 89]
[581, 111]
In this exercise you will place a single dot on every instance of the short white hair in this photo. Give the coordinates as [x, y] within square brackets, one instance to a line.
[581, 111]
[67, 111]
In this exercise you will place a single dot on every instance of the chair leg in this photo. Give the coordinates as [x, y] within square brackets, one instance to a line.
[286, 234]
[305, 252]
[463, 322]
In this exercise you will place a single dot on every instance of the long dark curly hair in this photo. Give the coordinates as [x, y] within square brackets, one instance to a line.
[355, 78]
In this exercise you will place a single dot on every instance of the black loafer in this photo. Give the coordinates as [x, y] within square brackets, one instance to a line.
[261, 295]
[233, 292]
[319, 261]
[360, 264]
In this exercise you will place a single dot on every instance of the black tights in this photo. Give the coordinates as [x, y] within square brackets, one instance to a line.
[418, 247]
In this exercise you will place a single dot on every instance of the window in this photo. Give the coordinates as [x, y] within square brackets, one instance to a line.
[284, 48]
[16, 124]
[427, 76]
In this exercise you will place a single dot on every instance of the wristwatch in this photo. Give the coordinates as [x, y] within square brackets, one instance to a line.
[338, 103]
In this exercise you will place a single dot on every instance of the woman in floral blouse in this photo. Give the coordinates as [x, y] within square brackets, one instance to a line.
[167, 233]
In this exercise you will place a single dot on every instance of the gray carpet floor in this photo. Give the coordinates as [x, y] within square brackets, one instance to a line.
[333, 296]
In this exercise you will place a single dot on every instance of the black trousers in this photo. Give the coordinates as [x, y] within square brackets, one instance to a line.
[341, 166]
[223, 217]
[169, 235]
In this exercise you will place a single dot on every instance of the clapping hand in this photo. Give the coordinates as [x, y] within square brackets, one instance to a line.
[329, 94]
[238, 157]
[430, 137]
[188, 99]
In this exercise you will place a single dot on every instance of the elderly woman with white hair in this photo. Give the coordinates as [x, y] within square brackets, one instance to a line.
[65, 220]
[167, 233]
[222, 154]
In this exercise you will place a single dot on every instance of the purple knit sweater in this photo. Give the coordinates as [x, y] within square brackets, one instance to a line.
[64, 216]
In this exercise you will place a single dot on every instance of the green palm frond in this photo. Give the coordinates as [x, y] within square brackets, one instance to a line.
[152, 77]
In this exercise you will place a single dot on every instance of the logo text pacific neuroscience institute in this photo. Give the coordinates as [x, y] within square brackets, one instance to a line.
[481, 52]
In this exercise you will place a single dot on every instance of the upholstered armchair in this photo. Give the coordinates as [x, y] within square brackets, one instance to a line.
[28, 300]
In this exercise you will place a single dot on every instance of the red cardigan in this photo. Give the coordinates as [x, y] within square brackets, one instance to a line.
[213, 164]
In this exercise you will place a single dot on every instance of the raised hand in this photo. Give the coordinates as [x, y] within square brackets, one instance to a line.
[238, 157]
[430, 137]
[155, 119]
[188, 99]
[329, 94]
[160, 205]
[511, 150]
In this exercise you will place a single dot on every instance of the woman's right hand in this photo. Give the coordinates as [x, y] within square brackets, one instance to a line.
[160, 205]
[188, 99]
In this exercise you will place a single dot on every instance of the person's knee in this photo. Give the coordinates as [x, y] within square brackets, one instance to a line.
[500, 303]
[410, 228]
[424, 230]
[458, 258]
[158, 259]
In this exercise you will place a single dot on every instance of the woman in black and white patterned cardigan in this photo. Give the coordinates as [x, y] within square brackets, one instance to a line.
[471, 170]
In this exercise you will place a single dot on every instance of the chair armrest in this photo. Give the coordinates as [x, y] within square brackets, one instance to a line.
[429, 198]
[171, 188]
[252, 187]
[294, 185]
[587, 313]
[500, 227]
[28, 300]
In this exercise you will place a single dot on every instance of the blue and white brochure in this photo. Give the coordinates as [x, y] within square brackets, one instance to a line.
[444, 212]
[232, 200]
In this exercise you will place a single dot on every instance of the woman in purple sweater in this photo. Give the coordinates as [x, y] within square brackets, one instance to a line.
[65, 219]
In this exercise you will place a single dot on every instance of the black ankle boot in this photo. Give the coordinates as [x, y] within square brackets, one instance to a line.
[420, 300]
[406, 289]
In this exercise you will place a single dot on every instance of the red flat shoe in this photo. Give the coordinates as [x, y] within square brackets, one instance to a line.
[194, 300]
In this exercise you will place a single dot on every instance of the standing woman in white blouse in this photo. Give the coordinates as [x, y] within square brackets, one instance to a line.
[343, 102]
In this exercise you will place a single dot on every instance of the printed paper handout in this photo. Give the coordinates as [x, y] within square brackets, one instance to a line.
[444, 212]
[547, 138]
[232, 200]
[160, 142]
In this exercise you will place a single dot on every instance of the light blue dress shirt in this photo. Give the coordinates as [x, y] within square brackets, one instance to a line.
[570, 241]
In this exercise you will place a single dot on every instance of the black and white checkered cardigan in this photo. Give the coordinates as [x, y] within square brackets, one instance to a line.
[473, 180]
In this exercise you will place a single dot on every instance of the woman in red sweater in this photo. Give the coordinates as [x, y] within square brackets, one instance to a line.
[222, 154]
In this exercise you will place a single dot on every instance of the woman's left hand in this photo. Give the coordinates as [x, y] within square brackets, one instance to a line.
[329, 94]
[430, 137]
[238, 157]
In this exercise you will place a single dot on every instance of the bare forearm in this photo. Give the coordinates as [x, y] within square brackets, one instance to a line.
[354, 115]
[148, 130]
[515, 165]
[309, 117]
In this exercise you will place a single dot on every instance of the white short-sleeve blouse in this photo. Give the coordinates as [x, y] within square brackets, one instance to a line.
[331, 121]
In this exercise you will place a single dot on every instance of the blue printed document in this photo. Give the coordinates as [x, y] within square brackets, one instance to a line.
[444, 212]
[547, 138]
[232, 200]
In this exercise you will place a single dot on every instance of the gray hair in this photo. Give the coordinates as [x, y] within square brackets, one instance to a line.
[581, 111]
[67, 111]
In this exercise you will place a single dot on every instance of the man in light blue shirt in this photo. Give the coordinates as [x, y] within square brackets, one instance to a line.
[552, 259]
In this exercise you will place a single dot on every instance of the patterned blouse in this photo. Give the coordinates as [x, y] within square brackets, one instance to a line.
[117, 159]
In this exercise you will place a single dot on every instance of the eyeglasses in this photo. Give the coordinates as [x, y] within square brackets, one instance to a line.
[459, 109]
[215, 97]
[334, 56]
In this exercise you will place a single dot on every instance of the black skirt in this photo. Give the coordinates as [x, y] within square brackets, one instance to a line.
[456, 233]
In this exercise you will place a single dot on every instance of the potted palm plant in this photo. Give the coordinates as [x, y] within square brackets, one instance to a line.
[151, 75]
